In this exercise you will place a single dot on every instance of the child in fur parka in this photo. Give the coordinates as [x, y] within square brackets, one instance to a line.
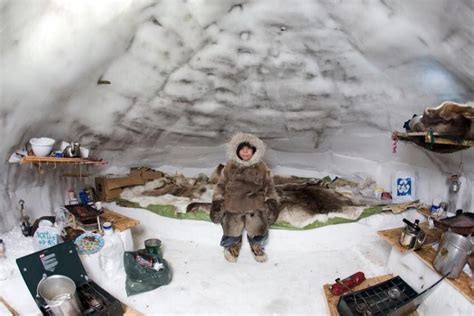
[245, 197]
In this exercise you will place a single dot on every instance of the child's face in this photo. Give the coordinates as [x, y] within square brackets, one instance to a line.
[246, 153]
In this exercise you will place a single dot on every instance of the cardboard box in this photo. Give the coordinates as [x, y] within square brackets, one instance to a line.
[103, 191]
[109, 188]
[113, 182]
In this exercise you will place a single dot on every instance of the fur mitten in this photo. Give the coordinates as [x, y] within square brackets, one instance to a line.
[272, 211]
[216, 212]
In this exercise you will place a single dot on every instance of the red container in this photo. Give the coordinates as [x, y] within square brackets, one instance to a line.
[343, 286]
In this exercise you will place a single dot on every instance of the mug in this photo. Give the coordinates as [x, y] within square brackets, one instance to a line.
[153, 246]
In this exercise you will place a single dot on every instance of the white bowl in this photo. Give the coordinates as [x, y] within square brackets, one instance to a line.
[42, 146]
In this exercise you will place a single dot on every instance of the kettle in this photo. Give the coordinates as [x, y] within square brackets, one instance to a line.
[73, 150]
[412, 236]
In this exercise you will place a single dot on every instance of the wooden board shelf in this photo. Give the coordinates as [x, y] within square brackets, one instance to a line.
[435, 141]
[392, 236]
[119, 221]
[464, 284]
[55, 160]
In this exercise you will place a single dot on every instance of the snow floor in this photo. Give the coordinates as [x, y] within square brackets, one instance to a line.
[290, 282]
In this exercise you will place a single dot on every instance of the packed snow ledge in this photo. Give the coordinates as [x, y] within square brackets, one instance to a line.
[300, 263]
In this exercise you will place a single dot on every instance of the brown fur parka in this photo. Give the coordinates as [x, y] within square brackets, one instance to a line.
[245, 186]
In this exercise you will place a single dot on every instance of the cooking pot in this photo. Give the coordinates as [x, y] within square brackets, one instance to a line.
[59, 293]
[452, 255]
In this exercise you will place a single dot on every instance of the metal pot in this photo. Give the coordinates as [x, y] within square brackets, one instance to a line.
[59, 293]
[452, 255]
[412, 236]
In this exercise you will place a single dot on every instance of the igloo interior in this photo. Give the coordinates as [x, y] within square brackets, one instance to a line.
[165, 84]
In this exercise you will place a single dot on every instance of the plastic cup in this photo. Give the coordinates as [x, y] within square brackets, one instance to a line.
[98, 205]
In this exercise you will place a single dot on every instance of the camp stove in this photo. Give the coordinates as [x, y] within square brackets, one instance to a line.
[393, 297]
[63, 259]
[96, 301]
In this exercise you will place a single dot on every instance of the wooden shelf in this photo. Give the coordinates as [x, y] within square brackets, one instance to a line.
[392, 236]
[332, 300]
[464, 284]
[435, 141]
[119, 221]
[54, 160]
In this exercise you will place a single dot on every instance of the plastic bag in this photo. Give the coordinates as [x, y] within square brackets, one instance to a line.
[142, 277]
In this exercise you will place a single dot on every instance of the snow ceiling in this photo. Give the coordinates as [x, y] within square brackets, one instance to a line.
[167, 82]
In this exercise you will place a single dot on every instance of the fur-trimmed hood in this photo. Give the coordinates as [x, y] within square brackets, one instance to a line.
[239, 138]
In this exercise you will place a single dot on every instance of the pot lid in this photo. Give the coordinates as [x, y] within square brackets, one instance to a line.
[60, 259]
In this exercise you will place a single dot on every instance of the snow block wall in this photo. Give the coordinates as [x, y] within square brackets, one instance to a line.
[168, 82]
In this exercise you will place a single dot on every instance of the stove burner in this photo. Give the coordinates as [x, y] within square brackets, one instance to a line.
[96, 301]
[394, 293]
[363, 309]
[391, 297]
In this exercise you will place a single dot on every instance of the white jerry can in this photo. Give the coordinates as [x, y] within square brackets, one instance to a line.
[404, 186]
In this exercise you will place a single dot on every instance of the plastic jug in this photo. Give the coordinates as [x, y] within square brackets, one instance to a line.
[111, 255]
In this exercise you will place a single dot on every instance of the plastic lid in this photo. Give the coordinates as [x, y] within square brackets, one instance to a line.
[108, 228]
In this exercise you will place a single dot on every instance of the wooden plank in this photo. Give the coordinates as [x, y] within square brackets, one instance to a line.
[415, 134]
[55, 160]
[448, 141]
[119, 221]
[401, 207]
[10, 309]
[464, 284]
[424, 211]
[332, 300]
[392, 236]
[128, 311]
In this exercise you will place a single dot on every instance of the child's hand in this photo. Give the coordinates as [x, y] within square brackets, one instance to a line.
[272, 211]
[216, 212]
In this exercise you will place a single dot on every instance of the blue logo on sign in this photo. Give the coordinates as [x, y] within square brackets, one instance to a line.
[403, 186]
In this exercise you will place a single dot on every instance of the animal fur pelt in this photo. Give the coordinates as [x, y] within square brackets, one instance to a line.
[449, 118]
[312, 196]
[180, 186]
